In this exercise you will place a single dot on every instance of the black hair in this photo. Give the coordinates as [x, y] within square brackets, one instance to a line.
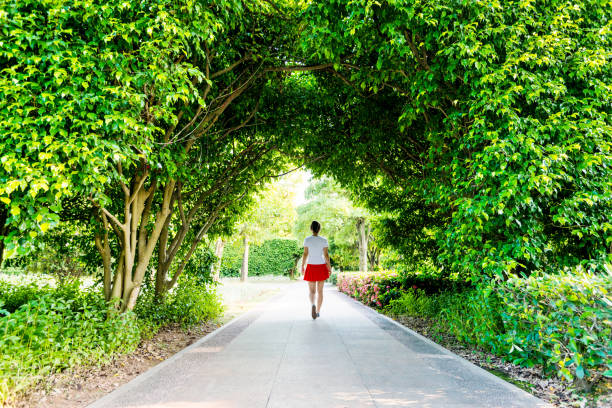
[315, 227]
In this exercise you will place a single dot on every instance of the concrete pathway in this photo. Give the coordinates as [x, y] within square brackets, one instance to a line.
[277, 356]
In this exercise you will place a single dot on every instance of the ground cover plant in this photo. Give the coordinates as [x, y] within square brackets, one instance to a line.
[46, 329]
[561, 323]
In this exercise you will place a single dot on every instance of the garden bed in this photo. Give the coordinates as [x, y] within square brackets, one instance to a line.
[530, 379]
[549, 334]
[82, 385]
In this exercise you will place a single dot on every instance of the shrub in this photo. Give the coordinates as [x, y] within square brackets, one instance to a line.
[561, 322]
[474, 317]
[13, 296]
[416, 303]
[272, 257]
[380, 288]
[190, 302]
[200, 264]
[56, 331]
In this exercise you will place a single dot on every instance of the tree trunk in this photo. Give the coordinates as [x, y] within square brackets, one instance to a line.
[373, 250]
[3, 229]
[168, 250]
[363, 245]
[374, 257]
[296, 267]
[136, 236]
[244, 271]
[219, 245]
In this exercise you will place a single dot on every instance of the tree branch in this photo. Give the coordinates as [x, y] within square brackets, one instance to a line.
[231, 67]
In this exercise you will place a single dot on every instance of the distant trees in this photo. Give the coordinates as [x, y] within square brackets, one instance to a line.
[347, 226]
[269, 216]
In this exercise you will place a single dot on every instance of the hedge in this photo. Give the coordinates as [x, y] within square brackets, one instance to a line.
[561, 322]
[272, 257]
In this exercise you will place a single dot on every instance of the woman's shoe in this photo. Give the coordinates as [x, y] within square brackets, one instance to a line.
[313, 312]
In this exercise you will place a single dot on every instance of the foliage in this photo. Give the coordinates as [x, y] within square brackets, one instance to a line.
[65, 267]
[13, 296]
[54, 330]
[272, 211]
[485, 131]
[200, 264]
[44, 329]
[414, 302]
[272, 257]
[562, 323]
[380, 288]
[192, 301]
[127, 105]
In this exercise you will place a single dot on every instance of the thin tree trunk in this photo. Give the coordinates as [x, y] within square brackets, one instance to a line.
[295, 267]
[363, 245]
[374, 257]
[3, 229]
[219, 245]
[244, 271]
[165, 266]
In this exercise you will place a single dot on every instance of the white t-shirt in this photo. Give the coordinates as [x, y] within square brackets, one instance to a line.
[315, 245]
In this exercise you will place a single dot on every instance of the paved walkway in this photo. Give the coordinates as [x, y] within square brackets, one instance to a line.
[277, 356]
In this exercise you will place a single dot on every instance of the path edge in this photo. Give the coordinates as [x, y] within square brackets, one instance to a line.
[106, 399]
[468, 364]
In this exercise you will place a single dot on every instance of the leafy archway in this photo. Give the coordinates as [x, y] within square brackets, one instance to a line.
[482, 129]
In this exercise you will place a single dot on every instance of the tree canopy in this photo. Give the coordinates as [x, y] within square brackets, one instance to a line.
[480, 131]
[483, 128]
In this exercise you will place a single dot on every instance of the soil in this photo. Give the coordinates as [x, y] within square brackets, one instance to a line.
[83, 385]
[556, 392]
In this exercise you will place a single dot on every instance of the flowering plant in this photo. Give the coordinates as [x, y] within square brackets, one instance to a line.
[373, 288]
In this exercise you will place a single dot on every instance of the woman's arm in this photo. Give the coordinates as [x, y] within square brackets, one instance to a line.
[327, 262]
[304, 258]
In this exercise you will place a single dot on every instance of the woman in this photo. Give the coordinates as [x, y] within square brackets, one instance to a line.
[318, 268]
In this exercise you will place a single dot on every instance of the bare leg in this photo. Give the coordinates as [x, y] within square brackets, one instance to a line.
[311, 294]
[319, 295]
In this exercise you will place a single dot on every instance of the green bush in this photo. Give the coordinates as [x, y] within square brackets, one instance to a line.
[190, 302]
[56, 331]
[474, 317]
[200, 264]
[272, 257]
[416, 303]
[46, 329]
[562, 323]
[13, 296]
[380, 288]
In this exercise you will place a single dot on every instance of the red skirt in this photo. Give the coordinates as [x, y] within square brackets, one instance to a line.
[316, 273]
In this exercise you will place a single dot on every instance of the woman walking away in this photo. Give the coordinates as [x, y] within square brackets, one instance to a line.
[318, 268]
